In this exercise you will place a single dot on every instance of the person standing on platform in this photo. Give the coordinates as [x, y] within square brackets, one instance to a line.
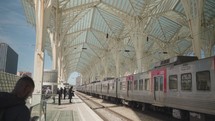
[64, 93]
[71, 93]
[61, 92]
[59, 96]
[12, 105]
[48, 93]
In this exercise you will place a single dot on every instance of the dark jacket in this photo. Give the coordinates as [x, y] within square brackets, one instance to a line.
[14, 108]
[71, 93]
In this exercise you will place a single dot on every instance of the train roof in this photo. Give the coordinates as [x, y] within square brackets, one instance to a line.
[108, 78]
[175, 60]
[95, 81]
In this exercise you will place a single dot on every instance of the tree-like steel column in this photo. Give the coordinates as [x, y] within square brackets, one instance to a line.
[139, 48]
[39, 52]
[193, 10]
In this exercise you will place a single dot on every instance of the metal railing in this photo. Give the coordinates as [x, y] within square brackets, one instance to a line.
[38, 111]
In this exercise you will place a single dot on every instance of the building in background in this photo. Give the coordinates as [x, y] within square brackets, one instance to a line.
[8, 59]
[21, 73]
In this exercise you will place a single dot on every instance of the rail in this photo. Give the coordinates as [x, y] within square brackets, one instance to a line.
[104, 112]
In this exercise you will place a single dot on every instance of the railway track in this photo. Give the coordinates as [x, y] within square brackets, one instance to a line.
[103, 111]
[112, 112]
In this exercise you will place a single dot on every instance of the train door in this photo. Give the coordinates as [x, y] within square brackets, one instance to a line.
[116, 85]
[129, 81]
[101, 89]
[158, 88]
[96, 88]
[159, 85]
[108, 87]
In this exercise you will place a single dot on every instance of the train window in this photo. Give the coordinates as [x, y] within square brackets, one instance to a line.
[135, 84]
[120, 85]
[203, 81]
[110, 86]
[173, 82]
[141, 84]
[156, 84]
[186, 81]
[161, 83]
[146, 84]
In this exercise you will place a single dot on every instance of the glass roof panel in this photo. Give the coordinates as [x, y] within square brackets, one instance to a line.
[122, 5]
[155, 30]
[79, 39]
[138, 5]
[114, 22]
[92, 39]
[209, 10]
[75, 3]
[164, 5]
[99, 23]
[101, 36]
[183, 45]
[29, 12]
[179, 8]
[169, 27]
[83, 23]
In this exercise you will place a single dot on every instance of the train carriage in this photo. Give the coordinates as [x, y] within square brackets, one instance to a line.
[183, 84]
[94, 89]
[112, 88]
[88, 88]
[105, 89]
[143, 90]
[98, 88]
[192, 86]
[129, 87]
[158, 86]
[122, 88]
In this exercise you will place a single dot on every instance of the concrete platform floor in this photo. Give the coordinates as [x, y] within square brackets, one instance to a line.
[75, 111]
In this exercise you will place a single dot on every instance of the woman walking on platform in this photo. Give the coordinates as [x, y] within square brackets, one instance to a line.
[71, 93]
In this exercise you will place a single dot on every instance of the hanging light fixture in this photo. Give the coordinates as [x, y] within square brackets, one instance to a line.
[126, 50]
[165, 52]
[107, 35]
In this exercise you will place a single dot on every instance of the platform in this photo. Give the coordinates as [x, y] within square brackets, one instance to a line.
[75, 111]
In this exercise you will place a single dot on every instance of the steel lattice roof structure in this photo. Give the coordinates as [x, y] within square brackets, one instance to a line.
[100, 38]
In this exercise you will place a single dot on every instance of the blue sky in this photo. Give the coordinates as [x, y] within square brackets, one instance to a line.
[20, 36]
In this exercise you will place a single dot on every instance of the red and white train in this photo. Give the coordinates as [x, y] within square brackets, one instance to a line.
[183, 84]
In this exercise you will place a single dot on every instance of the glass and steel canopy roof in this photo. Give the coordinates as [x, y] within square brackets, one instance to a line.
[94, 30]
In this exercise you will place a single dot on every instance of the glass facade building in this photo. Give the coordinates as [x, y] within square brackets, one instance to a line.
[8, 59]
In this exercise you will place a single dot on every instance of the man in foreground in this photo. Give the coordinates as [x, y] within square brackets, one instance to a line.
[12, 105]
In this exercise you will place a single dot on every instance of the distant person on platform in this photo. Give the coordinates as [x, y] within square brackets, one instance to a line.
[71, 93]
[59, 96]
[48, 93]
[64, 93]
[61, 92]
[12, 105]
